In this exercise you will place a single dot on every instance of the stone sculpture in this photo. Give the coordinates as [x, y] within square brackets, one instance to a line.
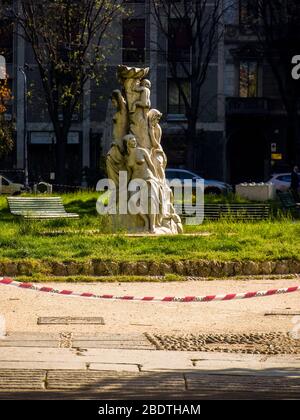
[136, 149]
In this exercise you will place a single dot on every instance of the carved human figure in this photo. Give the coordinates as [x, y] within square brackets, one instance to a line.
[155, 131]
[140, 153]
[140, 166]
[120, 119]
[139, 105]
[115, 161]
[144, 102]
[131, 95]
[158, 156]
[172, 220]
[129, 77]
[169, 219]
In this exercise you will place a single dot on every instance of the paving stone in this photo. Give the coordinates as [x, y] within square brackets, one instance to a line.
[29, 343]
[101, 382]
[46, 365]
[249, 387]
[111, 337]
[69, 340]
[93, 384]
[114, 367]
[282, 313]
[99, 344]
[38, 354]
[68, 320]
[32, 335]
[130, 394]
[22, 379]
[248, 368]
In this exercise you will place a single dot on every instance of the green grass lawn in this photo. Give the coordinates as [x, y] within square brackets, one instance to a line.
[88, 238]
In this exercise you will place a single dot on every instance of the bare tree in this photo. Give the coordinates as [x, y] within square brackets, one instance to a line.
[6, 132]
[67, 39]
[199, 26]
[277, 29]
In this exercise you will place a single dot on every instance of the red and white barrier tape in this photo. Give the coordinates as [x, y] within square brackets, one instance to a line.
[210, 298]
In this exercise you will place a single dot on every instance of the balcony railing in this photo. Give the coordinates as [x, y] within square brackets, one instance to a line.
[255, 106]
[234, 32]
[258, 106]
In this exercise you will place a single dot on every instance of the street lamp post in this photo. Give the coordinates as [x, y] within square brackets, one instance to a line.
[22, 71]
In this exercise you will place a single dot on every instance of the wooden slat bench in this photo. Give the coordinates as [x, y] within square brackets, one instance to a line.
[288, 202]
[39, 208]
[236, 211]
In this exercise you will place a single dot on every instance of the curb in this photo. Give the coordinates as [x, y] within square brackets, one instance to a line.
[190, 268]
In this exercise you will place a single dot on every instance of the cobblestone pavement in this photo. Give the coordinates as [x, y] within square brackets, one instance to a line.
[253, 343]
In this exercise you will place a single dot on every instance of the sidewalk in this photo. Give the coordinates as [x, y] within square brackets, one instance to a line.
[34, 367]
[116, 360]
[123, 360]
[38, 372]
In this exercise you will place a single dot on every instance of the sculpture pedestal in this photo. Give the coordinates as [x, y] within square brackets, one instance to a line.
[135, 224]
[127, 223]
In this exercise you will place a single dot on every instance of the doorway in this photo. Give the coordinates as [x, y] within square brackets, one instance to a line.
[247, 156]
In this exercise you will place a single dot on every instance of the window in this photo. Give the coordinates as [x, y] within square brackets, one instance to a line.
[6, 40]
[285, 178]
[175, 101]
[133, 40]
[171, 174]
[5, 182]
[248, 73]
[248, 12]
[185, 175]
[179, 40]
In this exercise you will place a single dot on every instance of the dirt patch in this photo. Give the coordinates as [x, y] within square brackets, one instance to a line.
[254, 343]
[22, 307]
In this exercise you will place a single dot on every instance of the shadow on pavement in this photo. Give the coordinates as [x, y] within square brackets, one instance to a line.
[223, 384]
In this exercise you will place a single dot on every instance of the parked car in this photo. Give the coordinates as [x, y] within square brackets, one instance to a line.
[210, 186]
[10, 188]
[282, 182]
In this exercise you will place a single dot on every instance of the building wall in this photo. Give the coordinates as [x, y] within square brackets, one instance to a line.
[253, 124]
[95, 107]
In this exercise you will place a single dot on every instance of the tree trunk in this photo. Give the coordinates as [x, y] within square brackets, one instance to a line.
[191, 135]
[61, 154]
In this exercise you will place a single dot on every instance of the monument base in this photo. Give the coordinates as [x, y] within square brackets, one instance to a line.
[127, 223]
[136, 224]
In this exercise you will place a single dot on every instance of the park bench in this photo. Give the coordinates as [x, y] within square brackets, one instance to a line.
[39, 208]
[288, 202]
[238, 211]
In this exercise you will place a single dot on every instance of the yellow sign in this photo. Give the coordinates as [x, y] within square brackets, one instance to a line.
[276, 156]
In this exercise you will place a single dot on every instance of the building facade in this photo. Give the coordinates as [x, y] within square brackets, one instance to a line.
[256, 121]
[240, 119]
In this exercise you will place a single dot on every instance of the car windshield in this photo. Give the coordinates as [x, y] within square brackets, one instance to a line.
[172, 174]
[284, 178]
[4, 181]
[185, 175]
